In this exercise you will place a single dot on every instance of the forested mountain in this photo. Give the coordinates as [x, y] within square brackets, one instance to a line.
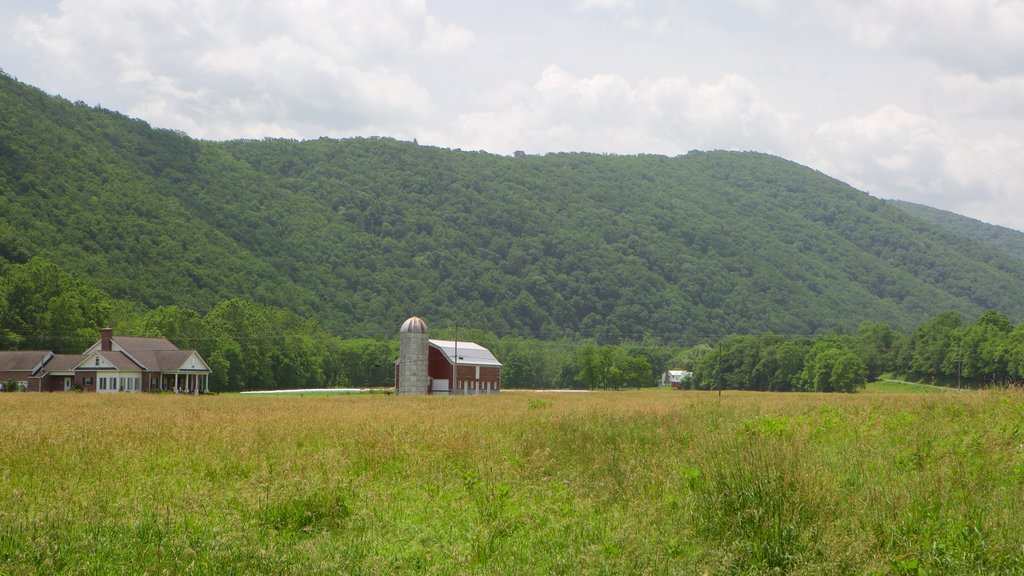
[362, 233]
[998, 237]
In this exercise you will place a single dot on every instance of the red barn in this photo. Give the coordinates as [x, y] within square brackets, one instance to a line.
[479, 372]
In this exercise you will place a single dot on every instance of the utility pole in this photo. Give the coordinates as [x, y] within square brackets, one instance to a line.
[718, 373]
[455, 370]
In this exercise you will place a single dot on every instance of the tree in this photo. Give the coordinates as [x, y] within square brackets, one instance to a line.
[830, 367]
[875, 344]
[931, 343]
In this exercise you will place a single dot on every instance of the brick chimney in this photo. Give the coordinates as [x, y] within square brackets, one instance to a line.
[105, 335]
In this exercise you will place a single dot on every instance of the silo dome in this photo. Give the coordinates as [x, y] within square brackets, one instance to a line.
[414, 325]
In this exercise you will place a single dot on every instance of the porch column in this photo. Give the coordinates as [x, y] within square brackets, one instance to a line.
[175, 382]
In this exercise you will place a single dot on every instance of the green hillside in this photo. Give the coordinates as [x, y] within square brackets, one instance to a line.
[361, 233]
[998, 237]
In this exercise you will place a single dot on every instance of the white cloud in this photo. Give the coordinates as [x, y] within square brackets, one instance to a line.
[895, 153]
[222, 69]
[970, 95]
[982, 37]
[603, 4]
[607, 113]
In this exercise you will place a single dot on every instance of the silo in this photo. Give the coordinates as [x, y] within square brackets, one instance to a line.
[413, 377]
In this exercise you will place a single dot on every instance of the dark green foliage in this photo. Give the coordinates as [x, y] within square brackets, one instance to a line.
[46, 308]
[931, 343]
[773, 363]
[1005, 239]
[832, 367]
[362, 233]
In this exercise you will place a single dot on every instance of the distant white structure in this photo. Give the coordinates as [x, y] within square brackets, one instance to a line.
[411, 374]
[675, 378]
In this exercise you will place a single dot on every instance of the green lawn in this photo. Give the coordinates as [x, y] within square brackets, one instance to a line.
[599, 483]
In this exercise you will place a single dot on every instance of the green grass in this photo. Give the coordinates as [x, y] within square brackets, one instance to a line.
[903, 387]
[602, 483]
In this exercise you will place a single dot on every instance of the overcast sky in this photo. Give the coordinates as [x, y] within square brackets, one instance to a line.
[910, 99]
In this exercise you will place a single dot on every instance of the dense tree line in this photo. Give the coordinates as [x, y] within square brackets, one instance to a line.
[988, 351]
[360, 234]
[828, 363]
[943, 350]
[252, 346]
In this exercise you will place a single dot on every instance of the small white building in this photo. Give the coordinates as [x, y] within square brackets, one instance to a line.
[676, 378]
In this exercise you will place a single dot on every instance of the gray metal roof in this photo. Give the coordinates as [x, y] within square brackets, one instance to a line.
[470, 353]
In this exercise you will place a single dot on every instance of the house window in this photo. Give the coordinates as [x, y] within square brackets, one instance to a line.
[97, 360]
[103, 383]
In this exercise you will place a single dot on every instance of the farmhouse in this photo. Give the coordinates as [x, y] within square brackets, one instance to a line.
[121, 364]
[428, 366]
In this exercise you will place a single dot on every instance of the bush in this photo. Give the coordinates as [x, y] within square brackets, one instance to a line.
[12, 386]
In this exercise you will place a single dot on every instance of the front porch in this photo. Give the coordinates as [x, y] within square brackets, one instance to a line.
[184, 382]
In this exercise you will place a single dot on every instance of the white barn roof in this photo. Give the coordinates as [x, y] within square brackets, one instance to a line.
[470, 353]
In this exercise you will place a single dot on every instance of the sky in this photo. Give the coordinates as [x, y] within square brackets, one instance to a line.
[917, 100]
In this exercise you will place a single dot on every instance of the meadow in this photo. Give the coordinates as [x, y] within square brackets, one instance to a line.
[641, 482]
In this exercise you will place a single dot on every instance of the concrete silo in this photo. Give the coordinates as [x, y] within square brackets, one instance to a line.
[412, 377]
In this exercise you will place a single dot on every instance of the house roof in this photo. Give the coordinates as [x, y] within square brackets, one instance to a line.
[63, 362]
[169, 360]
[153, 354]
[470, 353]
[22, 360]
[118, 359]
[139, 343]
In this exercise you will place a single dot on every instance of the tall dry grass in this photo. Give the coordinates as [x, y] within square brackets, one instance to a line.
[651, 482]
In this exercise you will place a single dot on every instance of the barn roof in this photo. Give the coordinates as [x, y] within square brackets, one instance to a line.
[470, 353]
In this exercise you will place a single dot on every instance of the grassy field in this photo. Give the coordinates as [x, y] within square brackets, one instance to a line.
[650, 482]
